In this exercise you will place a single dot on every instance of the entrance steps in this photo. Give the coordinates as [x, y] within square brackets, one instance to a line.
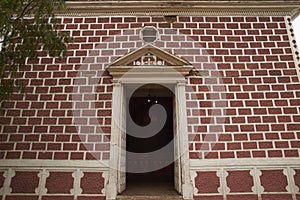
[150, 191]
[161, 197]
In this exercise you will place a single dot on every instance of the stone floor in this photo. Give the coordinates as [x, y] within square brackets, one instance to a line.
[149, 191]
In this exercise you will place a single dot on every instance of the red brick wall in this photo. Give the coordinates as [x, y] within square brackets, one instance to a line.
[250, 100]
[242, 95]
[244, 87]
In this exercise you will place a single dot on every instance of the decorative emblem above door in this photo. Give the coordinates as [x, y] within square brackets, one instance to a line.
[149, 59]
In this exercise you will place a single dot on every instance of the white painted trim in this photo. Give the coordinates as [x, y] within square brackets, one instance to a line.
[177, 80]
[6, 189]
[77, 175]
[203, 8]
[101, 165]
[201, 164]
[42, 190]
[187, 187]
[147, 79]
[257, 187]
[112, 185]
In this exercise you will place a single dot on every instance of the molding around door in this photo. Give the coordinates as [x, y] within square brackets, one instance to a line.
[156, 73]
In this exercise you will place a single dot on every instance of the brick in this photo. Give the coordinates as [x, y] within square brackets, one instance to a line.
[253, 32]
[29, 155]
[61, 155]
[13, 155]
[15, 137]
[273, 180]
[272, 136]
[77, 155]
[276, 196]
[210, 197]
[231, 128]
[265, 145]
[102, 147]
[291, 153]
[249, 145]
[256, 136]
[63, 179]
[240, 181]
[91, 198]
[226, 32]
[225, 137]
[259, 154]
[238, 19]
[227, 154]
[232, 26]
[25, 182]
[57, 197]
[21, 197]
[293, 127]
[92, 183]
[242, 196]
[274, 153]
[9, 129]
[234, 146]
[207, 182]
[22, 146]
[247, 128]
[212, 155]
[70, 129]
[218, 146]
[262, 127]
[70, 146]
[6, 146]
[94, 156]
[254, 119]
[240, 137]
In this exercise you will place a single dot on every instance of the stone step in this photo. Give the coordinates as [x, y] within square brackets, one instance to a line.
[160, 197]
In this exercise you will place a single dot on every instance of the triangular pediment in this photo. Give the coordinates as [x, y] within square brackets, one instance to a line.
[150, 55]
[149, 59]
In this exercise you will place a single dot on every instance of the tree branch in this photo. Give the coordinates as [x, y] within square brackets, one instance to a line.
[24, 10]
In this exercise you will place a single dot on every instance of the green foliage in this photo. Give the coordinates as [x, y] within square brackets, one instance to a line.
[27, 28]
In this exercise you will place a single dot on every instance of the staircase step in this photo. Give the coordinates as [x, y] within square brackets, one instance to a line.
[161, 197]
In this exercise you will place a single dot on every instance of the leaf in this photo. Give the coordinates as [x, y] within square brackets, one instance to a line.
[28, 28]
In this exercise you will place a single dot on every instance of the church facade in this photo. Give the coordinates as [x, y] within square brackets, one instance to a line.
[200, 95]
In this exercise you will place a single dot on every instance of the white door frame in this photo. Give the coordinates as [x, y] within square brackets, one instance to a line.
[115, 184]
[135, 68]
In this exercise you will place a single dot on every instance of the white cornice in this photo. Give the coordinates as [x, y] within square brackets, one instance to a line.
[54, 164]
[159, 8]
[120, 69]
[244, 163]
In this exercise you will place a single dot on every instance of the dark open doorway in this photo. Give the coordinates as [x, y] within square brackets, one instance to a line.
[151, 168]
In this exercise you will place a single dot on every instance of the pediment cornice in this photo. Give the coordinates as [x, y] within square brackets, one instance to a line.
[149, 61]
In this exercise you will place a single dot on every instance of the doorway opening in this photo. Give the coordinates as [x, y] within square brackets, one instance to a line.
[148, 64]
[150, 139]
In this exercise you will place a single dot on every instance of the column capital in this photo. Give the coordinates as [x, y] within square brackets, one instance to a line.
[181, 83]
[116, 83]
